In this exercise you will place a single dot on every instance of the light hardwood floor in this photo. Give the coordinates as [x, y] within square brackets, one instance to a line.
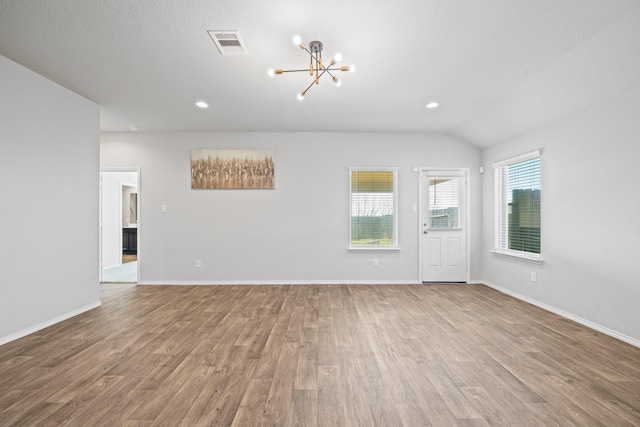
[328, 355]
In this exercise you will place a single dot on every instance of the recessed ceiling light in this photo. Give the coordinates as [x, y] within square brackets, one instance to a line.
[134, 127]
[433, 105]
[202, 104]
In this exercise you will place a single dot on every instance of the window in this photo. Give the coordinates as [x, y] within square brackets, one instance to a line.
[517, 199]
[374, 205]
[444, 201]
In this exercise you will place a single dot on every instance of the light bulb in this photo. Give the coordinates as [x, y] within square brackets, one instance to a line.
[301, 96]
[433, 105]
[337, 81]
[338, 57]
[271, 72]
[297, 40]
[352, 68]
[202, 104]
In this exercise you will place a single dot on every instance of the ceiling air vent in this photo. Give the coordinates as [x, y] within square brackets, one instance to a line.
[228, 42]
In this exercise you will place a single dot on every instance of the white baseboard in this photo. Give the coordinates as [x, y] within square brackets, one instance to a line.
[587, 323]
[40, 326]
[281, 282]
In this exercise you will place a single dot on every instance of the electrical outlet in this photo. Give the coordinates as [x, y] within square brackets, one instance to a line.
[376, 262]
[534, 276]
[198, 263]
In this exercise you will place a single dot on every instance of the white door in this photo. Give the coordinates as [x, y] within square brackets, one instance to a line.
[443, 225]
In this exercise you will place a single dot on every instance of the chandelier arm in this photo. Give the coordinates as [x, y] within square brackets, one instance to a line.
[318, 59]
[294, 71]
[323, 68]
[309, 87]
[329, 69]
[319, 75]
[314, 81]
[326, 70]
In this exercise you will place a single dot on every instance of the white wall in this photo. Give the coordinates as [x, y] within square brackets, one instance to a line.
[590, 221]
[295, 233]
[49, 148]
[590, 174]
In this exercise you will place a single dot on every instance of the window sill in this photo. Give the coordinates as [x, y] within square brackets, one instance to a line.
[533, 258]
[373, 249]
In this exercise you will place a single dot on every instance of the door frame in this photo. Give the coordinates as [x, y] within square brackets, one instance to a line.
[138, 183]
[466, 215]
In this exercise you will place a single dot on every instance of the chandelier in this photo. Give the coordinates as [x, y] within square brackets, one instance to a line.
[316, 67]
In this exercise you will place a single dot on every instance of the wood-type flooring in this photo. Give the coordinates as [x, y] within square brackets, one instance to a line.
[317, 355]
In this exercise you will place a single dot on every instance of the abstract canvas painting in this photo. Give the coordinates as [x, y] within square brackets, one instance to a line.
[232, 169]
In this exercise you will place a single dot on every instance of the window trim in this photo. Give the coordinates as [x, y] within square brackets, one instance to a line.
[518, 159]
[387, 248]
[525, 256]
[522, 255]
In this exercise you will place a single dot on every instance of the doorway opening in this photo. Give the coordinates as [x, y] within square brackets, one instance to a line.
[119, 225]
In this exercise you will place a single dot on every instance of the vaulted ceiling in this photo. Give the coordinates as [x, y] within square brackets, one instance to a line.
[499, 68]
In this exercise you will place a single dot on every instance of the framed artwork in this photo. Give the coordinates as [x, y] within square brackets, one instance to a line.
[232, 169]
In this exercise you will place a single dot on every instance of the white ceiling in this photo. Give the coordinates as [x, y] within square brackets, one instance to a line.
[499, 68]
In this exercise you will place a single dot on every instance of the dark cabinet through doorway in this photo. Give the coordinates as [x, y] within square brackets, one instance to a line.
[129, 240]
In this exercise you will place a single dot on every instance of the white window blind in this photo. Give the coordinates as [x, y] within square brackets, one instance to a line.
[374, 207]
[517, 204]
[444, 201]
